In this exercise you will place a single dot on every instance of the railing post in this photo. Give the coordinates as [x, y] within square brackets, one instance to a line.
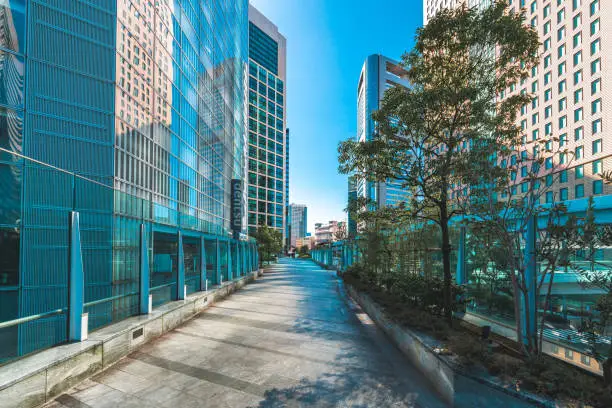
[180, 281]
[203, 281]
[460, 275]
[528, 307]
[230, 275]
[77, 320]
[238, 260]
[218, 262]
[145, 273]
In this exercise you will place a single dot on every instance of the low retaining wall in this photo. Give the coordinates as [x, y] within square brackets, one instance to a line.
[446, 377]
[37, 379]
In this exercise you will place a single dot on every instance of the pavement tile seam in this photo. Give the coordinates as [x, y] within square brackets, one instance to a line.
[290, 355]
[290, 315]
[203, 374]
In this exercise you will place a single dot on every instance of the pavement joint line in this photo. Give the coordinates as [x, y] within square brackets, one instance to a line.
[69, 401]
[280, 327]
[202, 374]
[250, 299]
[283, 315]
[246, 291]
[291, 355]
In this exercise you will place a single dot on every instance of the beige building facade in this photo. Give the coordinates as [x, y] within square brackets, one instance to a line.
[571, 90]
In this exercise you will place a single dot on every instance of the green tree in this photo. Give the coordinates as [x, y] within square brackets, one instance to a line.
[462, 60]
[304, 251]
[270, 242]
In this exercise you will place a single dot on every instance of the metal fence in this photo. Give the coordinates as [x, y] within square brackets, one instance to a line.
[58, 229]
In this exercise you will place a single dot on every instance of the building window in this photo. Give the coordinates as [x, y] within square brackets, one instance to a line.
[563, 176]
[579, 191]
[595, 46]
[596, 146]
[562, 104]
[586, 360]
[596, 106]
[597, 126]
[578, 115]
[595, 27]
[579, 172]
[597, 187]
[595, 86]
[563, 122]
[597, 167]
[555, 349]
[578, 133]
[596, 66]
[577, 77]
[563, 194]
[594, 7]
[579, 153]
[549, 197]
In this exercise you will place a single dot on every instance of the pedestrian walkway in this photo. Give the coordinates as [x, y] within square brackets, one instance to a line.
[289, 340]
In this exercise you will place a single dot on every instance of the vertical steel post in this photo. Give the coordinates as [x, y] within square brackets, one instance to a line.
[460, 275]
[230, 274]
[203, 274]
[145, 273]
[528, 308]
[180, 280]
[77, 320]
[218, 262]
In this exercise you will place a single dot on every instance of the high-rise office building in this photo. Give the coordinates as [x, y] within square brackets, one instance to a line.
[378, 74]
[571, 95]
[298, 220]
[268, 140]
[131, 114]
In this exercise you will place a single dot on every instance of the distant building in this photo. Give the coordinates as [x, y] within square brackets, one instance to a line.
[268, 150]
[378, 74]
[298, 218]
[330, 232]
[309, 241]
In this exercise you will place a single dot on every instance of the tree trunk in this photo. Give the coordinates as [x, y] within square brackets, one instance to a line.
[446, 263]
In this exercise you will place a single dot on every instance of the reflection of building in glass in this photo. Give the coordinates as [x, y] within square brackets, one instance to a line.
[140, 108]
[298, 220]
[378, 74]
[268, 154]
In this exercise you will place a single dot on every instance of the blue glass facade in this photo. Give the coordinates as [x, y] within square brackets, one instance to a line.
[378, 74]
[131, 113]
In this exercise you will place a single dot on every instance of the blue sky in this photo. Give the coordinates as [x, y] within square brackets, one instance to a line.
[328, 41]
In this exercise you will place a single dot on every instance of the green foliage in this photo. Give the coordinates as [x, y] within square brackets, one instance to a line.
[270, 242]
[304, 251]
[424, 131]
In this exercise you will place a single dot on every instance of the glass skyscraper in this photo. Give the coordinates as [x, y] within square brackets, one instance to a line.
[268, 153]
[131, 113]
[378, 74]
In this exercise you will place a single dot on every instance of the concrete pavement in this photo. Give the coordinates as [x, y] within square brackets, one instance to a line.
[289, 340]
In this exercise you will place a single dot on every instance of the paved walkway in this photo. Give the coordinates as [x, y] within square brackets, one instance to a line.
[288, 340]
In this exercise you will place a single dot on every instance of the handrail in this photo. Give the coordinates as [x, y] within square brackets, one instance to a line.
[110, 299]
[22, 320]
[162, 286]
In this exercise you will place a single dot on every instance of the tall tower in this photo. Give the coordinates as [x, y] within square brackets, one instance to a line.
[378, 74]
[268, 153]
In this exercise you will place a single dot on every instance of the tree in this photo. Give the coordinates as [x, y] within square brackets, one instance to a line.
[270, 242]
[304, 251]
[341, 232]
[462, 60]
